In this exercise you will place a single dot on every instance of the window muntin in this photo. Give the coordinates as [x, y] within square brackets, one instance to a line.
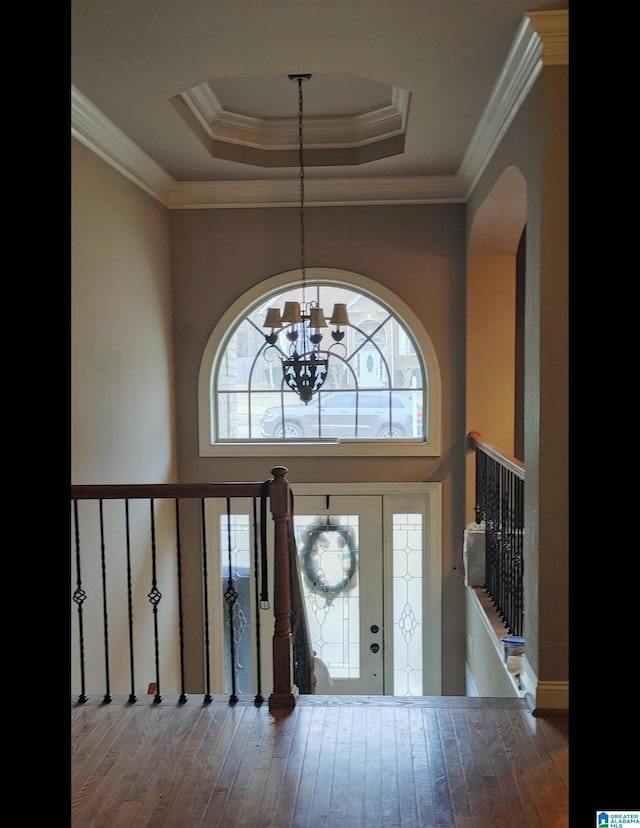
[345, 414]
[260, 293]
[372, 392]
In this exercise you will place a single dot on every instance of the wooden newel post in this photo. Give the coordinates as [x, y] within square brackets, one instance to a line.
[285, 692]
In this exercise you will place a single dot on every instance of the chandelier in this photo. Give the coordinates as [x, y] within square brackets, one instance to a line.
[306, 364]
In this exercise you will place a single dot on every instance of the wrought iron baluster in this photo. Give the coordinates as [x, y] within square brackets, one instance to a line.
[105, 615]
[500, 503]
[231, 596]
[509, 581]
[132, 695]
[501, 558]
[183, 696]
[518, 614]
[79, 597]
[491, 531]
[205, 588]
[155, 597]
[481, 487]
[259, 697]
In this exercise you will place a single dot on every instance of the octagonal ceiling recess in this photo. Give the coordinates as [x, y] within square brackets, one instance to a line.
[348, 119]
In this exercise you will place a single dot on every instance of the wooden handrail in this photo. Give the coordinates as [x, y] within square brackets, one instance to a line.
[123, 491]
[476, 441]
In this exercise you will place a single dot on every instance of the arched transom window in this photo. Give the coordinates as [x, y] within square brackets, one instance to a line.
[381, 394]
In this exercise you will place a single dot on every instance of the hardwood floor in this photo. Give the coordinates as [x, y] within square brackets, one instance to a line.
[348, 761]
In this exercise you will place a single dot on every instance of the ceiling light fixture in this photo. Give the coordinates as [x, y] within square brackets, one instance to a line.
[305, 366]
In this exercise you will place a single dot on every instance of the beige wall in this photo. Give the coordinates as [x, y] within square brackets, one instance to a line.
[416, 252]
[131, 259]
[537, 143]
[550, 500]
[122, 389]
[491, 302]
[122, 410]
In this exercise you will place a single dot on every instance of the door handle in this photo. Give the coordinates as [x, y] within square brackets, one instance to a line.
[374, 648]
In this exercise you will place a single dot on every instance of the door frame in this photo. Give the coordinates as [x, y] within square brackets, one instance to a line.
[391, 493]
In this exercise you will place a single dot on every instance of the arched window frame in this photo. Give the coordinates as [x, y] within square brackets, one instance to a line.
[213, 352]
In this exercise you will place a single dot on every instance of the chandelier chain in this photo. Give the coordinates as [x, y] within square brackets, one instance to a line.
[306, 366]
[301, 158]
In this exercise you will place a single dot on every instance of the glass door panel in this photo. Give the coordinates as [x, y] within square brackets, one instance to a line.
[339, 541]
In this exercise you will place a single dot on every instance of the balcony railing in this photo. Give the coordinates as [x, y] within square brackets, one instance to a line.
[499, 508]
[140, 559]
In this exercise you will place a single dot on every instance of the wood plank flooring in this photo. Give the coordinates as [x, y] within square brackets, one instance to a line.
[347, 761]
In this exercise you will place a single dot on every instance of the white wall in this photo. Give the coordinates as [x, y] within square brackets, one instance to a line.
[486, 673]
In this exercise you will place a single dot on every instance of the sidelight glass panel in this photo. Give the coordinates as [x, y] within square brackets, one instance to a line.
[235, 573]
[407, 605]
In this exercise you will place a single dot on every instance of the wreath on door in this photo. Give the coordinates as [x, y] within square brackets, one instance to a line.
[315, 541]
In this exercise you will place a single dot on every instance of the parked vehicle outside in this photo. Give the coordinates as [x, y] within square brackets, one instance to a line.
[347, 414]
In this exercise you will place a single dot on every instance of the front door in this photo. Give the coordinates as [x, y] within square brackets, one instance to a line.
[340, 548]
[369, 368]
[371, 574]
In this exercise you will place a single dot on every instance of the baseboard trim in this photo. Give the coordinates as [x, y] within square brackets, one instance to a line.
[551, 695]
[543, 697]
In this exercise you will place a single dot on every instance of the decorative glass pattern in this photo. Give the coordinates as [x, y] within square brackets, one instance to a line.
[328, 549]
[407, 605]
[235, 574]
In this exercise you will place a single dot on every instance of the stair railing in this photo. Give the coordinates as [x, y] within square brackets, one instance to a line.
[499, 509]
[291, 661]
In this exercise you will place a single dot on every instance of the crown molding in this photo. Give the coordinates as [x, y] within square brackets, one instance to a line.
[319, 192]
[542, 39]
[105, 139]
[268, 134]
[552, 27]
